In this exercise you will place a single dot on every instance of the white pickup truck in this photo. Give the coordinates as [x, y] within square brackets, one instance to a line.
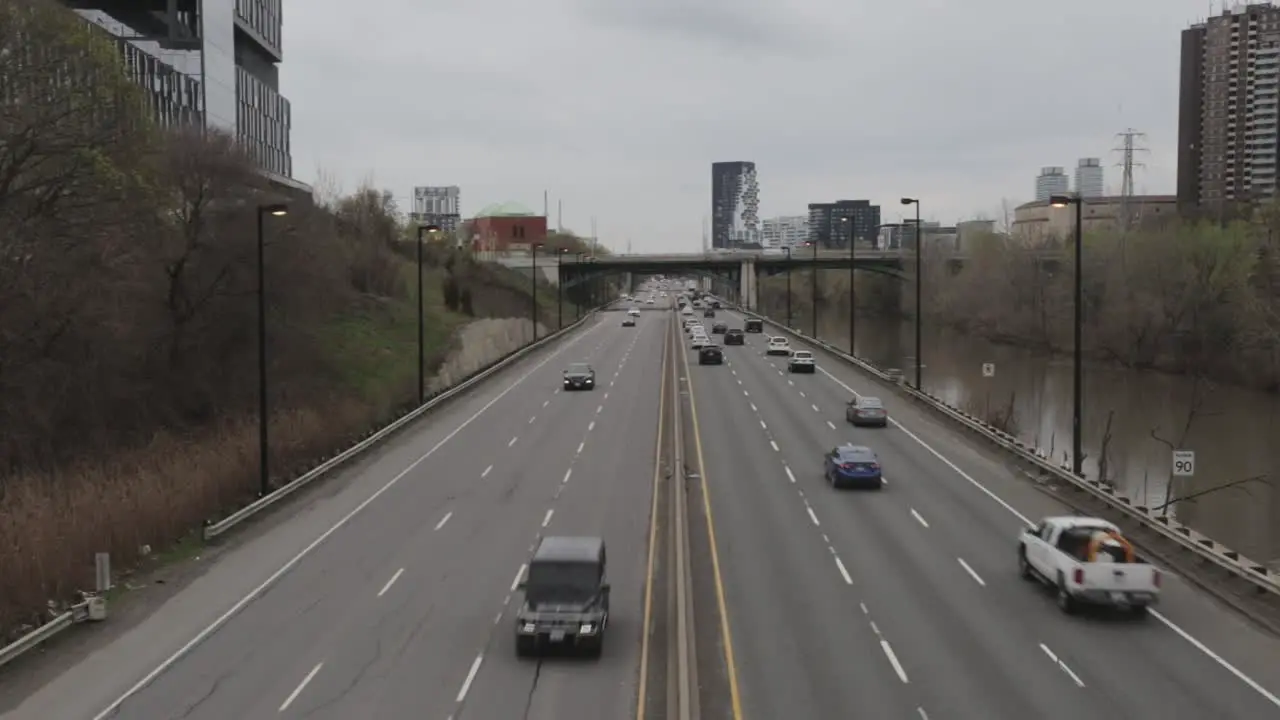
[1087, 561]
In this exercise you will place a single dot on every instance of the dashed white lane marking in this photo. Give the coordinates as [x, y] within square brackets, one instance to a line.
[591, 426]
[599, 409]
[923, 715]
[1062, 665]
[790, 476]
[972, 573]
[831, 425]
[803, 395]
[546, 403]
[567, 473]
[844, 573]
[919, 519]
[486, 472]
[471, 677]
[513, 441]
[515, 582]
[815, 408]
[774, 445]
[391, 582]
[580, 446]
[531, 419]
[812, 516]
[547, 519]
[754, 409]
[301, 686]
[893, 660]
[763, 426]
[444, 519]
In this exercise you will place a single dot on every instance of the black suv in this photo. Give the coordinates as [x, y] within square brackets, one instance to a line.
[566, 597]
[719, 329]
[579, 376]
[710, 355]
[754, 325]
[708, 313]
[735, 337]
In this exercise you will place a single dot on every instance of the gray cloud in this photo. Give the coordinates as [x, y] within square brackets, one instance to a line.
[619, 108]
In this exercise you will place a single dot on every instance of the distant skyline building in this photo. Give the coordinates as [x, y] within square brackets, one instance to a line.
[784, 231]
[832, 224]
[735, 204]
[1228, 93]
[210, 63]
[439, 205]
[1089, 178]
[1052, 180]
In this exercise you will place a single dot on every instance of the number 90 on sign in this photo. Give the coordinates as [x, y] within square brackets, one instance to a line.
[1184, 463]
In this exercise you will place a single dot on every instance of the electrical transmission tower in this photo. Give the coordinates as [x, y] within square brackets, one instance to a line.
[1129, 147]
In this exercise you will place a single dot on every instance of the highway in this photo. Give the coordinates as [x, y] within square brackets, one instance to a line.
[906, 603]
[404, 608]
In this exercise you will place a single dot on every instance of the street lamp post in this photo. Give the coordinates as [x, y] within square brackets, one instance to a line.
[533, 252]
[919, 283]
[814, 281]
[788, 251]
[1077, 350]
[264, 464]
[560, 287]
[852, 292]
[577, 305]
[422, 348]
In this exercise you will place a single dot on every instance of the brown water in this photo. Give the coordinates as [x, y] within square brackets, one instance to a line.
[1235, 435]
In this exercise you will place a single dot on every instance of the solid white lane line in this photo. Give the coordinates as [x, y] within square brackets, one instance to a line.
[515, 582]
[812, 516]
[591, 426]
[1216, 658]
[547, 520]
[444, 519]
[972, 573]
[513, 441]
[567, 473]
[486, 472]
[391, 582]
[844, 573]
[1061, 665]
[919, 519]
[775, 446]
[471, 677]
[790, 476]
[301, 686]
[581, 445]
[893, 660]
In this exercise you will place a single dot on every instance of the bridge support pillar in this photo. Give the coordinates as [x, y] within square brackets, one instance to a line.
[628, 283]
[747, 295]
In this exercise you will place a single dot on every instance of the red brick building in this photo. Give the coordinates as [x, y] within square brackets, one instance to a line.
[506, 227]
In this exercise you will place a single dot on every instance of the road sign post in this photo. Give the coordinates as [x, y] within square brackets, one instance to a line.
[1184, 463]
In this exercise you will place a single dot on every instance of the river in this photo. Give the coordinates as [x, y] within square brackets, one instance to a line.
[1235, 434]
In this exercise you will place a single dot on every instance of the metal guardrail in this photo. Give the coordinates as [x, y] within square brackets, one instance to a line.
[94, 606]
[1197, 543]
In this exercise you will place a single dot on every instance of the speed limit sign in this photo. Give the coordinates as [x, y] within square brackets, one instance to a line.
[1184, 463]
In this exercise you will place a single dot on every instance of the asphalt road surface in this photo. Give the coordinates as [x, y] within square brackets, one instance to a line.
[906, 603]
[405, 609]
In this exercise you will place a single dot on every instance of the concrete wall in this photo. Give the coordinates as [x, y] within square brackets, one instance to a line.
[482, 342]
[546, 266]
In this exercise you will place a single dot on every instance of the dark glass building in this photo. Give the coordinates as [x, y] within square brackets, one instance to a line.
[209, 62]
[831, 225]
[735, 204]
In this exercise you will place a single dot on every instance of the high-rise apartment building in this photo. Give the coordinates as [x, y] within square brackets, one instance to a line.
[438, 205]
[1228, 129]
[1089, 177]
[209, 62]
[735, 204]
[831, 225]
[1051, 181]
[784, 231]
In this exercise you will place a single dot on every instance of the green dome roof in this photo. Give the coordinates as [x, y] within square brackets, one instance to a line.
[507, 209]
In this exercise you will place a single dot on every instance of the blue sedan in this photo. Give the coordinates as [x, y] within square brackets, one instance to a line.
[853, 466]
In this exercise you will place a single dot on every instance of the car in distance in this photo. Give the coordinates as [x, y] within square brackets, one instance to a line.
[708, 313]
[634, 312]
[710, 354]
[693, 327]
[734, 337]
[866, 411]
[801, 362]
[566, 597]
[853, 466]
[700, 340]
[685, 311]
[719, 328]
[754, 325]
[628, 321]
[579, 376]
[1087, 561]
[778, 346]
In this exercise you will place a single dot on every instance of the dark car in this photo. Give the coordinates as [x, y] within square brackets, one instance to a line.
[708, 313]
[853, 466]
[719, 329]
[628, 322]
[866, 411]
[754, 325]
[715, 304]
[735, 337]
[579, 376]
[566, 597]
[710, 355]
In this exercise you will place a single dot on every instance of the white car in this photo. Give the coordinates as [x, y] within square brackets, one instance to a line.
[649, 301]
[686, 311]
[778, 346]
[801, 362]
[700, 341]
[1086, 560]
[695, 328]
[634, 312]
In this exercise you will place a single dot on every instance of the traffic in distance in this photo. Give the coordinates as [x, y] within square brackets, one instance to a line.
[853, 558]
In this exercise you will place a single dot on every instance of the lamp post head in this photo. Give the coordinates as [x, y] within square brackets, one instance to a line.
[431, 228]
[910, 201]
[277, 209]
[1060, 201]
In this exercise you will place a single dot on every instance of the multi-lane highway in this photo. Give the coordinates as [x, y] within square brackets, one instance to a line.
[906, 603]
[404, 609]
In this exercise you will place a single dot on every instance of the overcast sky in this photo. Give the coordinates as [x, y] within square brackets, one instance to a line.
[619, 107]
